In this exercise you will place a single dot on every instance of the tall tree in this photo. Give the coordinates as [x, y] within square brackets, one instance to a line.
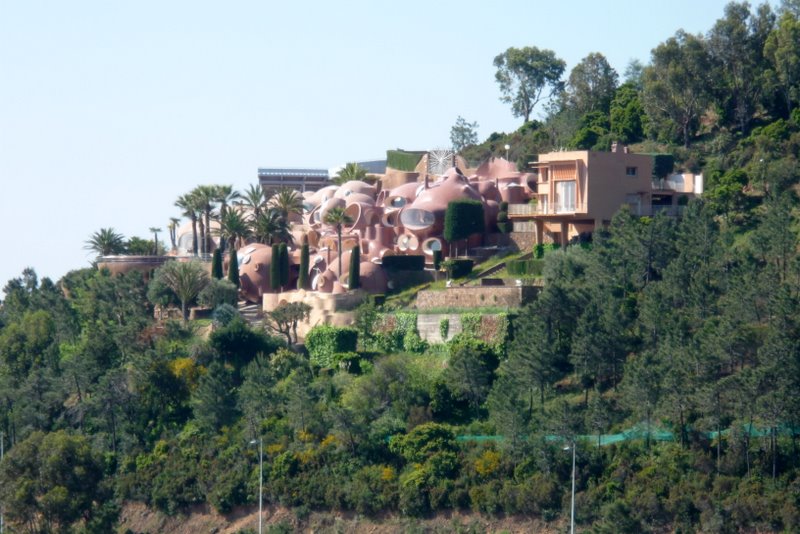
[783, 54]
[287, 201]
[627, 114]
[234, 228]
[255, 199]
[189, 208]
[677, 86]
[736, 43]
[524, 74]
[283, 270]
[270, 226]
[463, 134]
[155, 231]
[50, 481]
[225, 195]
[205, 197]
[302, 278]
[591, 85]
[172, 227]
[338, 218]
[214, 400]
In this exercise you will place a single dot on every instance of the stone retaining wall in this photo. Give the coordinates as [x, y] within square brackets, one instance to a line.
[476, 297]
[518, 241]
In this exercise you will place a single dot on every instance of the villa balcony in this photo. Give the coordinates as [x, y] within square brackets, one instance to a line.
[520, 211]
[670, 185]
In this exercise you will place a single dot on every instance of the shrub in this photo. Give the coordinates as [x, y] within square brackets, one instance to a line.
[457, 268]
[348, 361]
[224, 314]
[503, 224]
[324, 342]
[403, 263]
[413, 343]
[218, 292]
[444, 328]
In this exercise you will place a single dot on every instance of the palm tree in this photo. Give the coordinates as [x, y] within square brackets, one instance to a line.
[337, 218]
[224, 195]
[173, 231]
[205, 196]
[185, 279]
[351, 171]
[287, 201]
[234, 227]
[189, 206]
[106, 242]
[155, 239]
[271, 226]
[254, 199]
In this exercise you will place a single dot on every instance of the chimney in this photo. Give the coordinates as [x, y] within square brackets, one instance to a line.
[613, 147]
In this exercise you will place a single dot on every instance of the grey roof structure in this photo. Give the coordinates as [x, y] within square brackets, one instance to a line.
[301, 179]
[307, 179]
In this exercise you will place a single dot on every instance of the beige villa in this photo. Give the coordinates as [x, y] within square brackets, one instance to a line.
[576, 191]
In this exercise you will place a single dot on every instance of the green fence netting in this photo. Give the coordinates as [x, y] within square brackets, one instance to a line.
[655, 434]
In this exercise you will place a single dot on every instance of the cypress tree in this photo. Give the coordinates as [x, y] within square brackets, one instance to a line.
[354, 277]
[283, 253]
[233, 267]
[275, 268]
[302, 279]
[216, 264]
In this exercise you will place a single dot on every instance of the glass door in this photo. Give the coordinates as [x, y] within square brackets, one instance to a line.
[565, 197]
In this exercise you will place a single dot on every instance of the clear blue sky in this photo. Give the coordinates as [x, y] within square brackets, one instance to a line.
[110, 110]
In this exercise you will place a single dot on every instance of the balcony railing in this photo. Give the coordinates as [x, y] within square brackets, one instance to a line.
[557, 208]
[669, 185]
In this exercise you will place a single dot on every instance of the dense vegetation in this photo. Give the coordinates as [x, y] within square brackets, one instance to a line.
[681, 337]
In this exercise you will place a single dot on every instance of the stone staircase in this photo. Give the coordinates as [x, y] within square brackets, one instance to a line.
[251, 313]
[497, 268]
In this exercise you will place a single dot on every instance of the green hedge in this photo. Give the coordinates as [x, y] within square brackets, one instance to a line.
[402, 160]
[525, 267]
[462, 219]
[403, 263]
[325, 342]
[437, 259]
[456, 268]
